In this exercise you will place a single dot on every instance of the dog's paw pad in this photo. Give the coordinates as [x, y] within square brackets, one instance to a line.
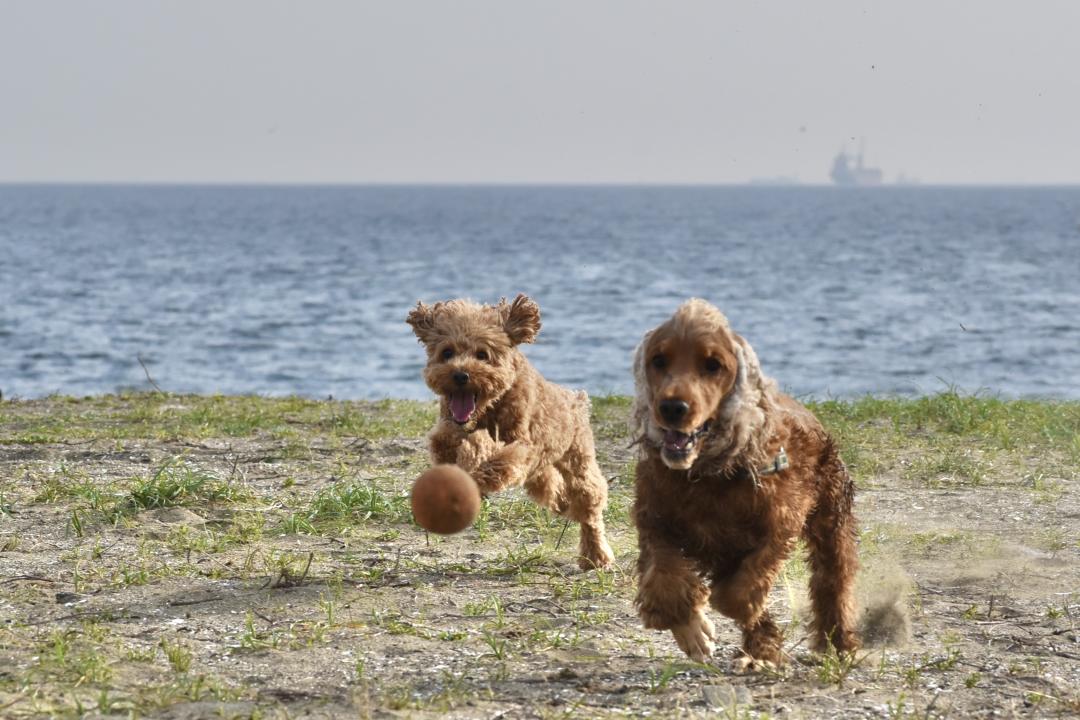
[602, 559]
[745, 663]
[695, 638]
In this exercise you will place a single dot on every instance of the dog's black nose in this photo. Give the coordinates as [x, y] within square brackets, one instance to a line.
[674, 410]
[461, 377]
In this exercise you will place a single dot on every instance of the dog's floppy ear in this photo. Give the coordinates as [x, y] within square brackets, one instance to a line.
[639, 415]
[750, 367]
[739, 391]
[521, 319]
[422, 319]
[752, 388]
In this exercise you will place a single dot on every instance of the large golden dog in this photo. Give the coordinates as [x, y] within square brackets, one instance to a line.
[732, 473]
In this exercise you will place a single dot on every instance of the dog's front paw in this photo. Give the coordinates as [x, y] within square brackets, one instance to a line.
[695, 638]
[507, 466]
[745, 663]
[475, 450]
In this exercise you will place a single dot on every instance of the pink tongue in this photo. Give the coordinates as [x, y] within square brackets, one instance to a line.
[462, 405]
[677, 440]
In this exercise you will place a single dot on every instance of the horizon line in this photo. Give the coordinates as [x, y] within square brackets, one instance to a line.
[762, 184]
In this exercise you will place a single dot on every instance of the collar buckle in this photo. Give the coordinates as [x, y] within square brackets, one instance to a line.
[780, 462]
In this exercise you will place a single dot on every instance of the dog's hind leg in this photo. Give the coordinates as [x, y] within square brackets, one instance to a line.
[546, 488]
[587, 503]
[830, 537]
[584, 500]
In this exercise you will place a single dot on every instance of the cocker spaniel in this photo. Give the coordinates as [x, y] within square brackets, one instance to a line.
[732, 473]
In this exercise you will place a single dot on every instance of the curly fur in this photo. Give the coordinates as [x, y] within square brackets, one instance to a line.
[502, 422]
[713, 528]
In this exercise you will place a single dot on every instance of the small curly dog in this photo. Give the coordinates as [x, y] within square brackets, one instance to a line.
[502, 422]
[732, 473]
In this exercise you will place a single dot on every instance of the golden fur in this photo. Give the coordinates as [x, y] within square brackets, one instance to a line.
[502, 422]
[712, 526]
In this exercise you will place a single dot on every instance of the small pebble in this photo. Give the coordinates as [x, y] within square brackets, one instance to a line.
[726, 695]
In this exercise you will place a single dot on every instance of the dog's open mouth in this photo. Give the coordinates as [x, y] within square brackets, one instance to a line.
[679, 444]
[462, 406]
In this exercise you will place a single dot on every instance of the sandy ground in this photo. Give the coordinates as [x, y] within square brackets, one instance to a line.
[252, 599]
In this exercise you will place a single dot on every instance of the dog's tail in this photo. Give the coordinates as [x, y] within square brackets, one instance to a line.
[582, 404]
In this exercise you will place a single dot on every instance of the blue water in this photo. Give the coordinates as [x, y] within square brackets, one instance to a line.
[304, 290]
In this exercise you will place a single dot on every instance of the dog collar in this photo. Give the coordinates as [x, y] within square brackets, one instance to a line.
[780, 462]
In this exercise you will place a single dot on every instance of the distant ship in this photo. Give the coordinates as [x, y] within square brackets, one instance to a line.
[845, 172]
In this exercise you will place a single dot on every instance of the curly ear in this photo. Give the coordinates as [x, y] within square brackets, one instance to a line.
[521, 319]
[740, 390]
[752, 387]
[639, 414]
[422, 319]
[754, 375]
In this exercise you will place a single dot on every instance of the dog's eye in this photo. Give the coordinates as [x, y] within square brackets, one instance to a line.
[712, 365]
[481, 355]
[659, 362]
[446, 354]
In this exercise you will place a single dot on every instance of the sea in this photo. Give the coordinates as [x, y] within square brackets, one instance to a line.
[279, 290]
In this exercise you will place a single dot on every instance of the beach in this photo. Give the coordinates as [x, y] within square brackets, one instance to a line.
[184, 556]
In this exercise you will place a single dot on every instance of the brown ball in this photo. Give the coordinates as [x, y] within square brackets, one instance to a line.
[445, 499]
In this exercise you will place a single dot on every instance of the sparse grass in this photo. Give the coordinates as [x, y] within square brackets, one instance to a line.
[1052, 539]
[610, 415]
[72, 656]
[347, 504]
[68, 483]
[991, 421]
[177, 482]
[948, 469]
[303, 564]
[164, 416]
[660, 678]
[251, 638]
[997, 422]
[941, 432]
[834, 668]
[178, 655]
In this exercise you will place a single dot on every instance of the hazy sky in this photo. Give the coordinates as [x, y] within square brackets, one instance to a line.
[981, 91]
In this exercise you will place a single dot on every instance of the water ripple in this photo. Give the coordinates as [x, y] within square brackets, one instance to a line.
[304, 290]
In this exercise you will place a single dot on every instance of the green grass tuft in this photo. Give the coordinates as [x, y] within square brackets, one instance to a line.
[175, 483]
[992, 420]
[349, 503]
